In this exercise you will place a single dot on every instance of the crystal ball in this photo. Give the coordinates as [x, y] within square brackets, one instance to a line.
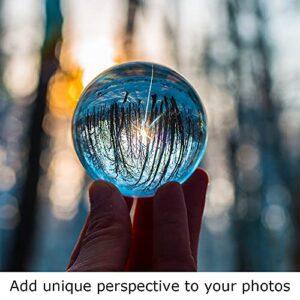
[139, 125]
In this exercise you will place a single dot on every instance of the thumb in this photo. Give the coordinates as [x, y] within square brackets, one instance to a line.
[105, 240]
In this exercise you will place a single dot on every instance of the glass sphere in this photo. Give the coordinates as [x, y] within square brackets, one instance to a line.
[139, 125]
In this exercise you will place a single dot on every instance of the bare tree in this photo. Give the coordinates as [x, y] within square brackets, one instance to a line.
[25, 230]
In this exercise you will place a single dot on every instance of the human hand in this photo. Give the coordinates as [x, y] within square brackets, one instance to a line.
[162, 237]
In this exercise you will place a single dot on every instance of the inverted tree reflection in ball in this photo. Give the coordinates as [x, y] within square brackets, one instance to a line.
[139, 125]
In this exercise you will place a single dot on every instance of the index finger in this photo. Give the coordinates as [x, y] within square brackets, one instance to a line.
[194, 193]
[171, 242]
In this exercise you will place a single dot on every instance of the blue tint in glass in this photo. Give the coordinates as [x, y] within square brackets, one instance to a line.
[139, 125]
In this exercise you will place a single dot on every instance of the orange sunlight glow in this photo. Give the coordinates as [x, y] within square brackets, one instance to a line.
[85, 52]
[65, 172]
[65, 85]
[94, 58]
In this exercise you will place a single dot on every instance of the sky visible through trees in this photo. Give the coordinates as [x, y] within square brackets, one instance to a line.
[242, 58]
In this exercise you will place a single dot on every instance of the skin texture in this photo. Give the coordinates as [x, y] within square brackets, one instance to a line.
[163, 235]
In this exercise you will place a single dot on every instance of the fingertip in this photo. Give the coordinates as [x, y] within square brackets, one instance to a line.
[167, 195]
[100, 187]
[100, 191]
[171, 186]
[171, 243]
[200, 175]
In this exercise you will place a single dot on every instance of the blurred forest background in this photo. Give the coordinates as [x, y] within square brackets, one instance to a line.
[241, 56]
